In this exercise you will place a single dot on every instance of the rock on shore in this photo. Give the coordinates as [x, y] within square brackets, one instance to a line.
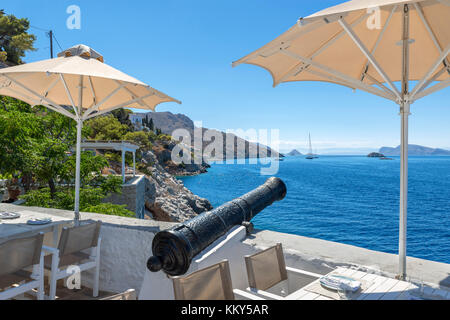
[166, 198]
[163, 153]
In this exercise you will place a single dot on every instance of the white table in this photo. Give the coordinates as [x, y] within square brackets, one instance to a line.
[380, 288]
[17, 228]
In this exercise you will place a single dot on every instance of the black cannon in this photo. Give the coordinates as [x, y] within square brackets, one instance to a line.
[174, 249]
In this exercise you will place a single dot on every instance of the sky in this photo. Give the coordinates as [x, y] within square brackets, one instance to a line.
[185, 49]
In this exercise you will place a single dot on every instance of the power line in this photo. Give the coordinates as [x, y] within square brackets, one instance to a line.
[51, 35]
[41, 29]
[57, 42]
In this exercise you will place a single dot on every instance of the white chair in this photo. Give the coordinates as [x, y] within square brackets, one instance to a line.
[268, 276]
[72, 243]
[127, 295]
[211, 283]
[15, 256]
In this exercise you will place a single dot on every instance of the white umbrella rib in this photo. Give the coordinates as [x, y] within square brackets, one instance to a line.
[369, 56]
[430, 31]
[36, 102]
[341, 76]
[94, 96]
[109, 96]
[301, 67]
[133, 95]
[50, 102]
[441, 85]
[430, 72]
[122, 105]
[69, 95]
[380, 36]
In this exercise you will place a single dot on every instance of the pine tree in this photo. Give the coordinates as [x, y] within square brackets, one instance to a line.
[151, 125]
[14, 38]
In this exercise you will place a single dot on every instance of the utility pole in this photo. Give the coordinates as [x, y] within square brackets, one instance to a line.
[50, 34]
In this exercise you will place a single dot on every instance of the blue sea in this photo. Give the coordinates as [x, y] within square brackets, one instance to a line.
[348, 199]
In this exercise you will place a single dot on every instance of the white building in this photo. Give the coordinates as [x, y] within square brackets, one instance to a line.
[137, 120]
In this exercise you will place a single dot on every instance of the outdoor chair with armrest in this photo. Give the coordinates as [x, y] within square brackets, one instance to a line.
[72, 243]
[127, 295]
[16, 256]
[211, 283]
[269, 277]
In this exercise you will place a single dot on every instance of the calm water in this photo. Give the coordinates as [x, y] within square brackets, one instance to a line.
[348, 199]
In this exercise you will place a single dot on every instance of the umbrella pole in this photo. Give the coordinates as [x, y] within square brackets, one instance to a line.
[404, 111]
[77, 172]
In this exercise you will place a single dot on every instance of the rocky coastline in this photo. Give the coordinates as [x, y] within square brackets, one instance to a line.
[166, 198]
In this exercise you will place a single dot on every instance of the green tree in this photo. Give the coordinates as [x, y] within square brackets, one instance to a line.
[14, 38]
[51, 153]
[35, 142]
[151, 125]
[123, 115]
[20, 135]
[106, 128]
[90, 170]
[141, 138]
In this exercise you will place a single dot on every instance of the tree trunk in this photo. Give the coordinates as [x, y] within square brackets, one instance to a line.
[27, 181]
[52, 186]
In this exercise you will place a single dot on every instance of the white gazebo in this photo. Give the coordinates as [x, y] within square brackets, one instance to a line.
[122, 146]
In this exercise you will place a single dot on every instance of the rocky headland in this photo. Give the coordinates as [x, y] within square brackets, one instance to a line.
[169, 122]
[415, 150]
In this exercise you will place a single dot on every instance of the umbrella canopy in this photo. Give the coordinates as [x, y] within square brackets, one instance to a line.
[78, 78]
[378, 46]
[79, 85]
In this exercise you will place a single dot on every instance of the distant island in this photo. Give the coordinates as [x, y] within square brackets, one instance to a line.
[376, 155]
[379, 156]
[414, 150]
[294, 153]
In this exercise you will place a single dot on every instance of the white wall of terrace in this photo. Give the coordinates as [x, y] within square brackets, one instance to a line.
[126, 247]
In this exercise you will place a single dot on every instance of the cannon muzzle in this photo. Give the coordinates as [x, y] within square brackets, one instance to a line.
[174, 249]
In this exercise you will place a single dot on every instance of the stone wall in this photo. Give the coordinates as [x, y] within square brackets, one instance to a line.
[133, 196]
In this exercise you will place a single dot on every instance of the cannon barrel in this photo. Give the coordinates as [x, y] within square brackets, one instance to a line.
[174, 249]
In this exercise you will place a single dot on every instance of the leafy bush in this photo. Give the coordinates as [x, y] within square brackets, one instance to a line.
[164, 137]
[111, 184]
[113, 156]
[90, 170]
[106, 128]
[43, 198]
[90, 198]
[111, 209]
[141, 138]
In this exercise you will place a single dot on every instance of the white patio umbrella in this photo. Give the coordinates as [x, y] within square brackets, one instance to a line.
[371, 45]
[79, 85]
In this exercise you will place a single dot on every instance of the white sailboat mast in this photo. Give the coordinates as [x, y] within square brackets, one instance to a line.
[310, 145]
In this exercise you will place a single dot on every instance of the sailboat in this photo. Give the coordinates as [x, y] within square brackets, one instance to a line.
[311, 155]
